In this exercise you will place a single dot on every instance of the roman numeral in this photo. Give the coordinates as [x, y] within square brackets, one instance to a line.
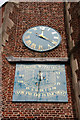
[42, 28]
[28, 42]
[40, 47]
[49, 46]
[54, 42]
[34, 28]
[27, 37]
[55, 37]
[48, 29]
[29, 32]
[33, 45]
[54, 33]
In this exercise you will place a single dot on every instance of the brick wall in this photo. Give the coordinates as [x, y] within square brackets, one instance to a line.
[24, 16]
[2, 9]
[33, 14]
[34, 110]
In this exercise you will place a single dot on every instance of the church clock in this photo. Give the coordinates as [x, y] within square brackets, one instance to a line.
[41, 38]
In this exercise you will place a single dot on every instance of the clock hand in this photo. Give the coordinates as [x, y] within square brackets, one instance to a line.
[45, 38]
[51, 41]
[42, 32]
[41, 35]
[48, 39]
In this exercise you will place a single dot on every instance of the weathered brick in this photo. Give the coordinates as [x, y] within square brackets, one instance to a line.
[24, 17]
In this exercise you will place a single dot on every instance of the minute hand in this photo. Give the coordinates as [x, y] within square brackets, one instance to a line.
[45, 38]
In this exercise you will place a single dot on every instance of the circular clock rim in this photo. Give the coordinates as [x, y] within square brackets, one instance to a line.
[46, 50]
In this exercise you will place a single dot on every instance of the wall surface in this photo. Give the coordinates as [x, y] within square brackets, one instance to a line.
[1, 25]
[22, 16]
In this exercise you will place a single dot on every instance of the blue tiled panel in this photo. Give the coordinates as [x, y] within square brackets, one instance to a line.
[29, 87]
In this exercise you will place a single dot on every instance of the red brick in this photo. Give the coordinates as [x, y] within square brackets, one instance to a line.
[15, 47]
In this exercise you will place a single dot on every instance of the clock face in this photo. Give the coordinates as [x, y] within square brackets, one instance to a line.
[41, 38]
[40, 82]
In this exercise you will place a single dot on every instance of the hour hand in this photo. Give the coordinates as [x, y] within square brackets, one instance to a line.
[41, 35]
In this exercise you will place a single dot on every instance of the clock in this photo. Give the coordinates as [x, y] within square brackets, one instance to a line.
[41, 38]
[40, 83]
